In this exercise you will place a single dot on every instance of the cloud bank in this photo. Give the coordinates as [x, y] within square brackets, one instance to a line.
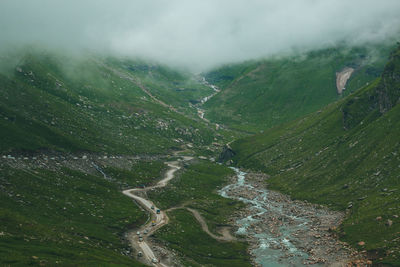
[198, 34]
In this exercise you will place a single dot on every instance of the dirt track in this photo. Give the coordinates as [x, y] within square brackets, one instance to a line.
[161, 219]
[157, 219]
[226, 235]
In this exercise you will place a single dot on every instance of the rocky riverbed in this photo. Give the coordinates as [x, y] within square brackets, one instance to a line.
[284, 232]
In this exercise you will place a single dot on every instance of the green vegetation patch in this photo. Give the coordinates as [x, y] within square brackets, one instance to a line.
[184, 234]
[93, 104]
[258, 95]
[197, 187]
[65, 217]
[141, 174]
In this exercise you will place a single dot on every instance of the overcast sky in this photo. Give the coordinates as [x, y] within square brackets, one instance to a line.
[196, 33]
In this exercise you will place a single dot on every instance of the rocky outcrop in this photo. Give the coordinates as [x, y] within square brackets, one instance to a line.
[375, 101]
[226, 154]
[388, 90]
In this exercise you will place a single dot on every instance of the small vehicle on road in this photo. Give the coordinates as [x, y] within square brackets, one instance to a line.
[152, 207]
[154, 260]
[158, 211]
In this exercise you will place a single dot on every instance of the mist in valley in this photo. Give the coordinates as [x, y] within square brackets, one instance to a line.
[197, 35]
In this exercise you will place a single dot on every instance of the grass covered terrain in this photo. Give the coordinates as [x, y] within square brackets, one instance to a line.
[64, 217]
[185, 235]
[346, 157]
[175, 87]
[260, 94]
[196, 188]
[95, 104]
[67, 217]
[142, 173]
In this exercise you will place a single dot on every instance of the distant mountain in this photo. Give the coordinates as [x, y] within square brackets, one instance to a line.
[260, 94]
[346, 156]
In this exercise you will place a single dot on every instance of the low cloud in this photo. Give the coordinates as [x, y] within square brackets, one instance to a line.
[196, 34]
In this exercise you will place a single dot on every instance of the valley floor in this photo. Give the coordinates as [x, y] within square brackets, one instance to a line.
[277, 230]
[285, 232]
[280, 231]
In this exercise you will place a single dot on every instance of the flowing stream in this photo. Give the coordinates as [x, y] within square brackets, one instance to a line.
[274, 225]
[205, 99]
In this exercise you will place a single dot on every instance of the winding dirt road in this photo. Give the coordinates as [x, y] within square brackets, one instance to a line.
[226, 235]
[157, 219]
[139, 240]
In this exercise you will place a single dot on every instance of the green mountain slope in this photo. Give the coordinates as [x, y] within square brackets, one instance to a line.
[175, 87]
[346, 156]
[100, 105]
[62, 216]
[258, 95]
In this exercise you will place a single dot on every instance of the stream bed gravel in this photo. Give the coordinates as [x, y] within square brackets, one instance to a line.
[285, 232]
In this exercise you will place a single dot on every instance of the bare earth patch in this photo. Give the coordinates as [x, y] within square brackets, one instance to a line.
[342, 78]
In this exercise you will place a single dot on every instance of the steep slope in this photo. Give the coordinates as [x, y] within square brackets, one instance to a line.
[258, 95]
[345, 156]
[100, 105]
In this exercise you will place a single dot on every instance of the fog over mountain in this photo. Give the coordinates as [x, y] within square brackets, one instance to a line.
[196, 34]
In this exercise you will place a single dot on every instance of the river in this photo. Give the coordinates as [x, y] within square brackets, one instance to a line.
[282, 232]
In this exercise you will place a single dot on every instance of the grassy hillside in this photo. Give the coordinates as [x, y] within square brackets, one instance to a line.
[175, 87]
[196, 248]
[345, 156]
[258, 95]
[196, 188]
[62, 216]
[100, 105]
